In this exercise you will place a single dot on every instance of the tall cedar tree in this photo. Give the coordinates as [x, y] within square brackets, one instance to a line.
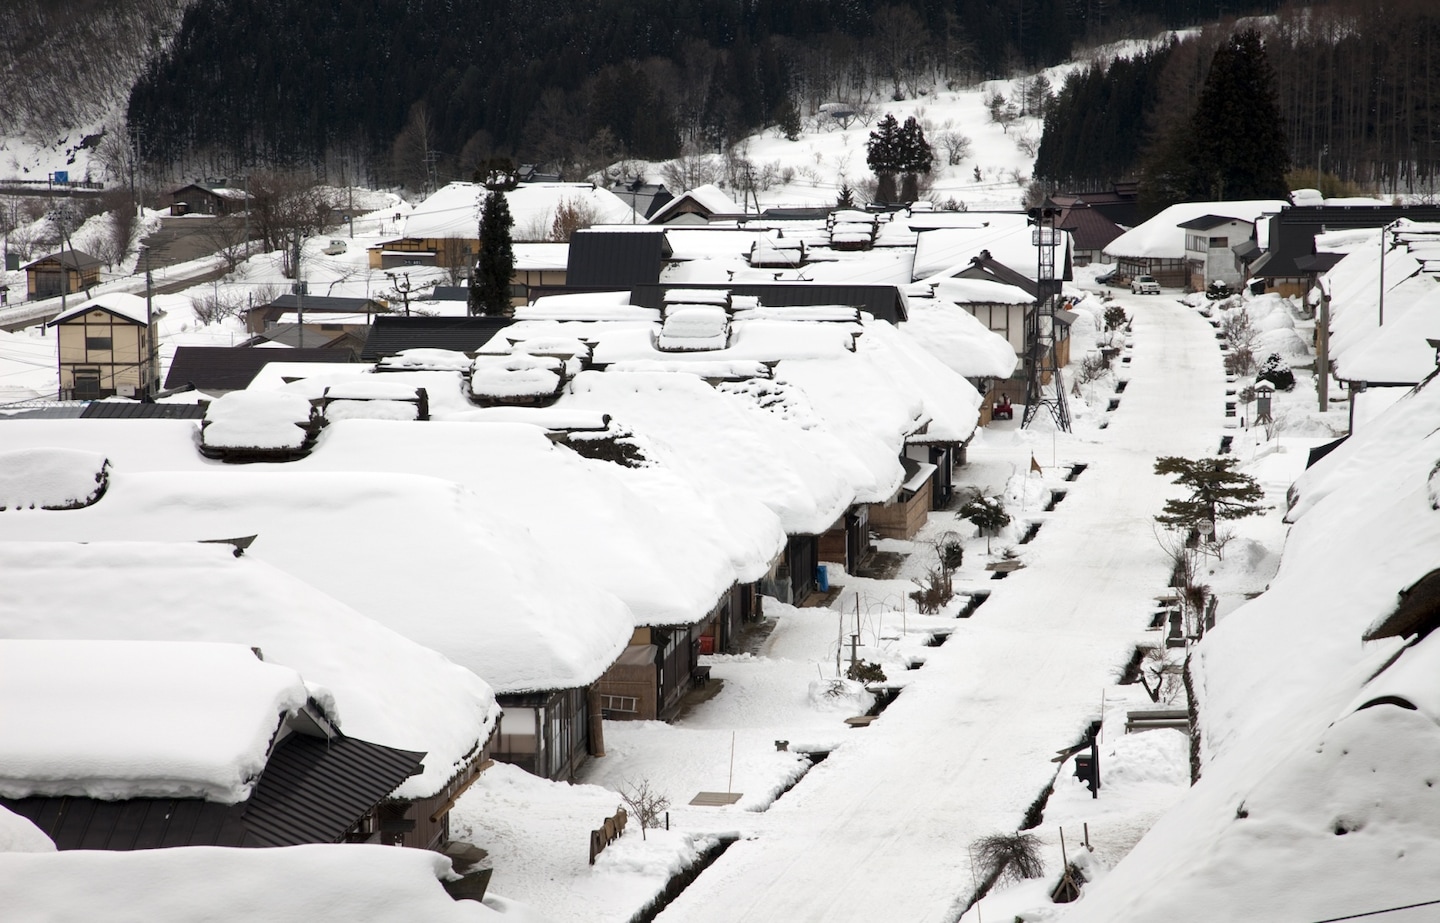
[882, 154]
[1217, 491]
[490, 290]
[915, 157]
[1237, 145]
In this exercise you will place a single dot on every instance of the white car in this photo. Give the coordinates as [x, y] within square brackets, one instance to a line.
[335, 248]
[1144, 285]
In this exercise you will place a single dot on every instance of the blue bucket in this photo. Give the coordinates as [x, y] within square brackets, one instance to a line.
[822, 578]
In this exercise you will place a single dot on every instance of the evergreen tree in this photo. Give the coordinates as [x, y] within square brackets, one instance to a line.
[882, 154]
[915, 156]
[1237, 144]
[787, 118]
[490, 287]
[846, 199]
[1217, 491]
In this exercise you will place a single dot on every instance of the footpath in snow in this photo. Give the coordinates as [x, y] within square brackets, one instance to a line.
[881, 829]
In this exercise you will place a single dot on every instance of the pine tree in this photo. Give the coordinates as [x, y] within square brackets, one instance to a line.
[1217, 491]
[1237, 143]
[490, 288]
[846, 199]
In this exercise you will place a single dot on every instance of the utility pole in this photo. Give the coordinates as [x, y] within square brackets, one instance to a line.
[299, 290]
[247, 216]
[1322, 347]
[152, 351]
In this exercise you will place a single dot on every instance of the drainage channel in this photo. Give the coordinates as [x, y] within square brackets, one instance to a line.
[1121, 385]
[1055, 497]
[975, 601]
[1031, 530]
[1076, 470]
[1035, 814]
[682, 880]
[1225, 442]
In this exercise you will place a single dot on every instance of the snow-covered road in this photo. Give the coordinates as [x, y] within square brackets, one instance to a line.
[880, 830]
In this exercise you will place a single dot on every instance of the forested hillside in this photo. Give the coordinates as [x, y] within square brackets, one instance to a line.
[400, 88]
[67, 63]
[1355, 83]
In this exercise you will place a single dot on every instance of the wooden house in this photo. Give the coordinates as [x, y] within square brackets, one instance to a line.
[549, 733]
[339, 313]
[66, 272]
[104, 348]
[661, 664]
[204, 199]
[1209, 250]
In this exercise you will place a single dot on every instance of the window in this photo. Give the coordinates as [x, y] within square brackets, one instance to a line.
[620, 704]
[517, 731]
[1219, 242]
[87, 384]
[99, 343]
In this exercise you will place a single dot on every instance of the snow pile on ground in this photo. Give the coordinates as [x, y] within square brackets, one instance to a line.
[294, 884]
[256, 420]
[18, 834]
[155, 719]
[51, 479]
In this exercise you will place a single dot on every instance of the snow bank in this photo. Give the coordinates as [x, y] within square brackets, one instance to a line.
[18, 834]
[296, 884]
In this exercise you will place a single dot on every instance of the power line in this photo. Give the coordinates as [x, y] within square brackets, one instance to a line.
[1376, 913]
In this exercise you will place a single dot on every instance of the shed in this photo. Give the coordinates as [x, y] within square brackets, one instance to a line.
[66, 272]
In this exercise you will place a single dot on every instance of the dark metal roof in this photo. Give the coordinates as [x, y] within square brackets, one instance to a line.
[391, 333]
[615, 259]
[139, 823]
[1319, 262]
[312, 791]
[139, 410]
[1292, 232]
[74, 259]
[1088, 227]
[1416, 613]
[1206, 222]
[450, 293]
[323, 303]
[230, 368]
[883, 301]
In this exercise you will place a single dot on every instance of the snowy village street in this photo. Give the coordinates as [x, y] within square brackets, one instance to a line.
[880, 830]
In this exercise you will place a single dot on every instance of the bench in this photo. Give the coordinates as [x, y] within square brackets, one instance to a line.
[700, 676]
[1151, 718]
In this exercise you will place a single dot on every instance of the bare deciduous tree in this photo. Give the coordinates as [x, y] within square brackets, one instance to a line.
[645, 803]
[956, 146]
[570, 216]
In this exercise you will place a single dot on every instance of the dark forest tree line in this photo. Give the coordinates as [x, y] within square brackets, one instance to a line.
[350, 86]
[1356, 92]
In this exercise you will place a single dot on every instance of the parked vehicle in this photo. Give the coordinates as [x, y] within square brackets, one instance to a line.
[1106, 277]
[335, 248]
[1144, 285]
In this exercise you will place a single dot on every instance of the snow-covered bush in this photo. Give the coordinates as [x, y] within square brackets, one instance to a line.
[1276, 371]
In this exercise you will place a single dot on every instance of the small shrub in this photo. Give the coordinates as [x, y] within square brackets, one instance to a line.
[1003, 857]
[1276, 371]
[1116, 318]
[1218, 290]
[952, 555]
[865, 672]
[988, 513]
